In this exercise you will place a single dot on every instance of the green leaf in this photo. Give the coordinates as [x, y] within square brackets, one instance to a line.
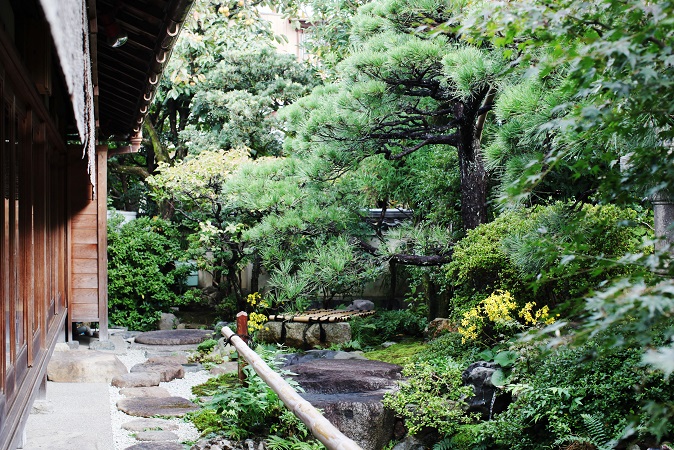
[506, 358]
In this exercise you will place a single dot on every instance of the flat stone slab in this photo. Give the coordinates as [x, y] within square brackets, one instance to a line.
[150, 391]
[149, 425]
[335, 376]
[84, 367]
[157, 446]
[166, 371]
[138, 379]
[152, 406]
[172, 359]
[173, 337]
[156, 436]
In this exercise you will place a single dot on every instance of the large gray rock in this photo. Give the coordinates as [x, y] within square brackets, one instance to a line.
[163, 406]
[168, 321]
[302, 335]
[84, 367]
[149, 424]
[360, 416]
[311, 355]
[139, 379]
[333, 376]
[166, 371]
[173, 337]
[486, 399]
[360, 305]
[350, 392]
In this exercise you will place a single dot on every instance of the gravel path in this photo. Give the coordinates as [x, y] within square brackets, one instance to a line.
[179, 387]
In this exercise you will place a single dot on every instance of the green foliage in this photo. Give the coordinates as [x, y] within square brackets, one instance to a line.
[387, 326]
[143, 280]
[593, 399]
[207, 345]
[529, 253]
[236, 102]
[253, 409]
[432, 396]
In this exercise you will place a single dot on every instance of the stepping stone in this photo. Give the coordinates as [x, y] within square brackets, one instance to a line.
[151, 406]
[172, 359]
[166, 371]
[173, 337]
[156, 446]
[149, 424]
[156, 436]
[138, 379]
[150, 391]
[84, 367]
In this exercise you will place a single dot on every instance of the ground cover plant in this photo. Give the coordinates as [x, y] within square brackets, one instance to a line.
[251, 410]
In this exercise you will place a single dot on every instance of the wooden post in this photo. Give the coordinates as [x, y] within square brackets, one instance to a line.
[242, 330]
[319, 426]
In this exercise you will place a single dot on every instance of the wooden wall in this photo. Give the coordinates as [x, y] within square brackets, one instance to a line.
[33, 240]
[88, 247]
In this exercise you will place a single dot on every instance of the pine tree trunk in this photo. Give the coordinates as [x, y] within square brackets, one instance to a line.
[473, 182]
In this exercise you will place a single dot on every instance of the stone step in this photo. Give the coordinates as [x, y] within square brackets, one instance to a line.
[156, 446]
[138, 379]
[84, 366]
[149, 424]
[156, 406]
[156, 436]
[167, 371]
[173, 337]
[151, 391]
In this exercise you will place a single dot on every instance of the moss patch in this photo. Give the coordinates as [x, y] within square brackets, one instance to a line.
[401, 353]
[211, 387]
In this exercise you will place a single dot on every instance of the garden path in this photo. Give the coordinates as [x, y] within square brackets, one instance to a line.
[85, 415]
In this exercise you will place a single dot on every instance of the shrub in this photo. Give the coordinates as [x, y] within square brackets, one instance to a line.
[387, 326]
[529, 253]
[432, 396]
[567, 392]
[497, 318]
[143, 280]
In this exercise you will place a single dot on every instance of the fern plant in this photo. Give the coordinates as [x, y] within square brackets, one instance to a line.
[594, 434]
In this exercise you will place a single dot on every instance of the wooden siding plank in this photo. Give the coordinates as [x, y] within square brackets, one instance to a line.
[81, 265]
[85, 251]
[84, 280]
[82, 221]
[80, 312]
[84, 236]
[85, 295]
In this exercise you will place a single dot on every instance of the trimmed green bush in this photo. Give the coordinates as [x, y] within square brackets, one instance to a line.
[143, 280]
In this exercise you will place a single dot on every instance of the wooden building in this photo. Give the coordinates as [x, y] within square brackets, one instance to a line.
[66, 86]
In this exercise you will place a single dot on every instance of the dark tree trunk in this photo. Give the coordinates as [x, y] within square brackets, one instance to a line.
[393, 269]
[473, 184]
[255, 274]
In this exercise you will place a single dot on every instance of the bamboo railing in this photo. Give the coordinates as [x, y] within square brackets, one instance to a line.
[319, 426]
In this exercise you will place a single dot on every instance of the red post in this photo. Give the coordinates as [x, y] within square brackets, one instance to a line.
[242, 330]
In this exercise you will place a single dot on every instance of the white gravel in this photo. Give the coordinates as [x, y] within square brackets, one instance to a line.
[179, 387]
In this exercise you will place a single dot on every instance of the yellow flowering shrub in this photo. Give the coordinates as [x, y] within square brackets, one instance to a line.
[497, 311]
[256, 320]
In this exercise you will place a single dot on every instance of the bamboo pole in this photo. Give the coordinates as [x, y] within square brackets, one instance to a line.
[319, 426]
